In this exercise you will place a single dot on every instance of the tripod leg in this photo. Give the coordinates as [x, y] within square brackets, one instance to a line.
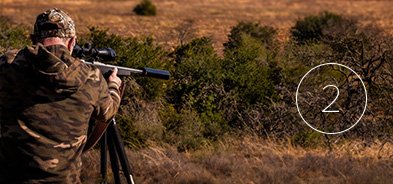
[114, 159]
[103, 144]
[121, 152]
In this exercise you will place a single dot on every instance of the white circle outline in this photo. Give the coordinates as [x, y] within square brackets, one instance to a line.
[297, 105]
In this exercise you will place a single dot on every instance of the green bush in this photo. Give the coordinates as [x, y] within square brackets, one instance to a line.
[224, 91]
[145, 8]
[264, 34]
[250, 79]
[197, 84]
[311, 54]
[248, 71]
[314, 28]
[196, 75]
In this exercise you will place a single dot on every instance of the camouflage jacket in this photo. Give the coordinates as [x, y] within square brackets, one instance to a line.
[46, 100]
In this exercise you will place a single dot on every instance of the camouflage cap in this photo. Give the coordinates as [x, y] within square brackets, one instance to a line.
[54, 23]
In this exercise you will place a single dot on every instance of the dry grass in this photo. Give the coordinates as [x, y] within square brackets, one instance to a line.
[212, 18]
[252, 160]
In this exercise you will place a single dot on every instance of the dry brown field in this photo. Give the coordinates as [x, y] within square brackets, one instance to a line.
[211, 18]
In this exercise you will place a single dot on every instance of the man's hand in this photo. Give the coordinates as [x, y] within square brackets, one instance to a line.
[114, 78]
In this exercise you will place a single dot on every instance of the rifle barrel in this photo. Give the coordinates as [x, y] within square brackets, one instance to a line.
[124, 71]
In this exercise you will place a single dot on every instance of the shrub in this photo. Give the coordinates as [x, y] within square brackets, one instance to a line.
[311, 54]
[250, 77]
[247, 71]
[365, 49]
[224, 92]
[368, 51]
[197, 84]
[313, 28]
[197, 75]
[264, 34]
[145, 8]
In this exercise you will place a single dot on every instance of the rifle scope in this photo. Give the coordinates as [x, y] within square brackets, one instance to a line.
[106, 54]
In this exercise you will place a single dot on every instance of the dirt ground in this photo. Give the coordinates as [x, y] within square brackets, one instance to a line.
[212, 18]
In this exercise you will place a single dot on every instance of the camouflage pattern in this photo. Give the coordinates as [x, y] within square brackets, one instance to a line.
[47, 98]
[54, 23]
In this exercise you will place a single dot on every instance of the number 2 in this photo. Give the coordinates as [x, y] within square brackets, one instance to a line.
[338, 93]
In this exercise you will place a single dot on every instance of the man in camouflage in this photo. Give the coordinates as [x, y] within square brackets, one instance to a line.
[47, 98]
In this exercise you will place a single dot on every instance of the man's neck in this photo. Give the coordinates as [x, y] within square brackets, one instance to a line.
[53, 41]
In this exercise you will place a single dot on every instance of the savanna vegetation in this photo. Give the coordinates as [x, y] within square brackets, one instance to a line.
[231, 117]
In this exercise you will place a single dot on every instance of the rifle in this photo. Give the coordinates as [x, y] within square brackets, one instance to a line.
[94, 55]
[108, 133]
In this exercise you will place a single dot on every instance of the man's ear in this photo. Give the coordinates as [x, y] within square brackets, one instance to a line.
[71, 44]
